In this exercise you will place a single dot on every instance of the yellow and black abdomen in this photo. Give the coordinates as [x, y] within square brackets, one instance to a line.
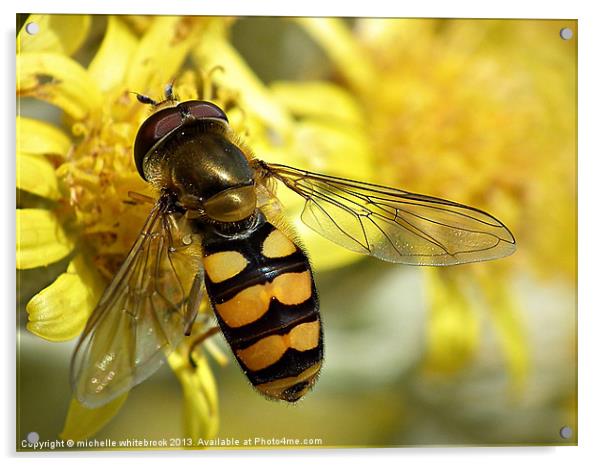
[262, 291]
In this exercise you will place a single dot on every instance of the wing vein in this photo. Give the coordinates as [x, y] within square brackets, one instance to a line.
[404, 227]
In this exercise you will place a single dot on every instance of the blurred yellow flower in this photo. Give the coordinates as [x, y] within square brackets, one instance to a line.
[83, 166]
[87, 174]
[462, 110]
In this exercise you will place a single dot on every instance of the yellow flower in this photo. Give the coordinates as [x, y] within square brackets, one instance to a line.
[462, 110]
[82, 168]
[423, 98]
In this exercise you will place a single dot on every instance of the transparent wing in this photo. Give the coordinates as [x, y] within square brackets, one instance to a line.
[394, 225]
[143, 313]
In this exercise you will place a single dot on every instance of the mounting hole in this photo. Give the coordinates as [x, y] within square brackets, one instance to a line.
[566, 33]
[32, 28]
[566, 432]
[33, 438]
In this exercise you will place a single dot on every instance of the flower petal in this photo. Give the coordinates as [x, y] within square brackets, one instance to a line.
[335, 149]
[40, 239]
[82, 422]
[346, 53]
[216, 51]
[60, 311]
[201, 416]
[340, 150]
[161, 52]
[112, 60]
[57, 34]
[317, 99]
[38, 137]
[453, 328]
[506, 317]
[36, 175]
[60, 81]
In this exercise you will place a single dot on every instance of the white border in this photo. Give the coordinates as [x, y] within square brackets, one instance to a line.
[378, 8]
[590, 152]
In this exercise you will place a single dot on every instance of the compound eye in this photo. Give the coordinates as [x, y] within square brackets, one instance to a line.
[200, 109]
[156, 127]
[160, 124]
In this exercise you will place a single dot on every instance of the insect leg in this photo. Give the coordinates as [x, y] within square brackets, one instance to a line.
[194, 303]
[198, 340]
[139, 198]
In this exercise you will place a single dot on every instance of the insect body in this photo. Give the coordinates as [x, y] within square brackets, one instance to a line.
[214, 227]
[261, 288]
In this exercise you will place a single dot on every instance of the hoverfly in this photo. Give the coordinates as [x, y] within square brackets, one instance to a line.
[215, 228]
